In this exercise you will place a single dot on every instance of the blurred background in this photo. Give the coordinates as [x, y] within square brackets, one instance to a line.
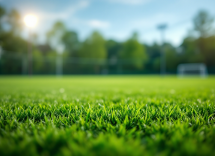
[105, 36]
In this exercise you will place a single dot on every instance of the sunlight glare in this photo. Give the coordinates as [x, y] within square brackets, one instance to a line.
[30, 20]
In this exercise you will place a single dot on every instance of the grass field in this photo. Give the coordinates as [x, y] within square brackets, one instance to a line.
[107, 115]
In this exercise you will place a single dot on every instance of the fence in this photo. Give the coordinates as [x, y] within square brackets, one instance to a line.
[18, 64]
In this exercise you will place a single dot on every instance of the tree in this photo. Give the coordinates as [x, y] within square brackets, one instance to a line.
[190, 52]
[2, 14]
[153, 52]
[172, 58]
[54, 36]
[113, 47]
[10, 32]
[14, 22]
[59, 37]
[207, 48]
[203, 23]
[94, 47]
[71, 42]
[93, 51]
[11, 41]
[133, 54]
[39, 61]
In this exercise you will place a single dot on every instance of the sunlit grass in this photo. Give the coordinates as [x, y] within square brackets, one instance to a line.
[100, 115]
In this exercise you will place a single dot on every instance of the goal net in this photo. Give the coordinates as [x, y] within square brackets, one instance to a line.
[192, 69]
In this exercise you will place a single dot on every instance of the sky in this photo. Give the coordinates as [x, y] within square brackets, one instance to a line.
[115, 19]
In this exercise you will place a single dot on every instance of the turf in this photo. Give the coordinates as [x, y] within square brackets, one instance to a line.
[107, 115]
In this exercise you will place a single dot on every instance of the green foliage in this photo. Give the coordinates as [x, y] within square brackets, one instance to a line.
[107, 116]
[15, 22]
[2, 13]
[93, 47]
[203, 24]
[206, 47]
[55, 35]
[38, 62]
[113, 47]
[133, 53]
[172, 58]
[10, 31]
[71, 42]
[93, 53]
[96, 55]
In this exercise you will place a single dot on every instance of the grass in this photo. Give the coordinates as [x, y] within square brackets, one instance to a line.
[107, 115]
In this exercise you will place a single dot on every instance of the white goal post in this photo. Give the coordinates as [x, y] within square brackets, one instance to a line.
[192, 69]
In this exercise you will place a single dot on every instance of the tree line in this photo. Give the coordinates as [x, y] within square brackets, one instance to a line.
[97, 55]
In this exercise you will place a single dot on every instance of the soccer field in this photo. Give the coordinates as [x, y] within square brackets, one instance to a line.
[107, 115]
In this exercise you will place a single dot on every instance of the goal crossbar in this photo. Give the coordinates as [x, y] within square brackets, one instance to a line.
[190, 69]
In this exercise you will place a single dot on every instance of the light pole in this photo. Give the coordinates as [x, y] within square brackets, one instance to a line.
[30, 22]
[162, 28]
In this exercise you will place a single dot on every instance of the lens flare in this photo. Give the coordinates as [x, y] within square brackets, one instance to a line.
[30, 20]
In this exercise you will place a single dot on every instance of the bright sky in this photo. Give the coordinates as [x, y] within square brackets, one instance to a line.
[116, 19]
